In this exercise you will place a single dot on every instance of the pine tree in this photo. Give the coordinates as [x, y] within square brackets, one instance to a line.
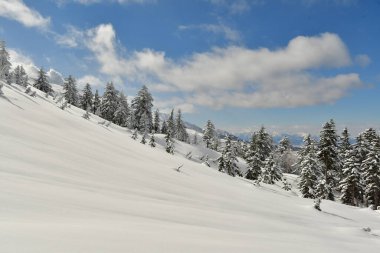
[1, 89]
[171, 124]
[122, 113]
[41, 82]
[86, 98]
[164, 128]
[309, 167]
[70, 91]
[156, 123]
[143, 139]
[109, 103]
[350, 185]
[209, 134]
[5, 64]
[169, 143]
[259, 149]
[371, 174]
[227, 161]
[328, 155]
[134, 135]
[142, 110]
[9, 78]
[20, 77]
[343, 147]
[195, 139]
[96, 103]
[152, 141]
[181, 133]
[284, 155]
[270, 172]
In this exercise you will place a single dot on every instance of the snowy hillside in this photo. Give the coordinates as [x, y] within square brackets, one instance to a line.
[73, 185]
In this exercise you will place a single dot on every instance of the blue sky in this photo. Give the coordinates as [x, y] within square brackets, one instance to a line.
[288, 64]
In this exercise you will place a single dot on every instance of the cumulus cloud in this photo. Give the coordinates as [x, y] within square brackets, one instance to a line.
[227, 32]
[19, 58]
[94, 81]
[17, 10]
[234, 76]
[362, 60]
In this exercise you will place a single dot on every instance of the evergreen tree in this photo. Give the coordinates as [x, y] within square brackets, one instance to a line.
[343, 147]
[152, 141]
[181, 133]
[86, 98]
[371, 175]
[19, 75]
[41, 82]
[164, 128]
[156, 123]
[5, 64]
[134, 135]
[209, 134]
[143, 139]
[310, 168]
[195, 139]
[171, 124]
[142, 110]
[122, 112]
[271, 172]
[227, 161]
[96, 103]
[109, 103]
[70, 91]
[259, 149]
[328, 155]
[1, 89]
[284, 155]
[9, 78]
[169, 143]
[350, 185]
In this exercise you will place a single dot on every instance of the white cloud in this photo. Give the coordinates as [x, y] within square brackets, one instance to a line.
[89, 2]
[362, 60]
[228, 33]
[234, 76]
[94, 81]
[18, 11]
[19, 58]
[236, 6]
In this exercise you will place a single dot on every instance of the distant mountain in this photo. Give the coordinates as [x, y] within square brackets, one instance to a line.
[295, 139]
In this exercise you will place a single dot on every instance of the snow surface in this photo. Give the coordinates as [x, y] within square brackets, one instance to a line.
[73, 185]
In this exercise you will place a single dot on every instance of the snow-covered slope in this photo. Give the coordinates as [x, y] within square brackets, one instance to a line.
[73, 185]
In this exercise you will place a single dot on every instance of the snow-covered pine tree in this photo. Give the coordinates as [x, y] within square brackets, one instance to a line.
[181, 133]
[259, 149]
[19, 75]
[5, 64]
[109, 103]
[152, 141]
[328, 155]
[70, 91]
[169, 143]
[134, 135]
[271, 171]
[9, 78]
[343, 146]
[350, 185]
[142, 110]
[96, 103]
[41, 82]
[310, 168]
[1, 89]
[164, 128]
[206, 162]
[86, 98]
[209, 134]
[170, 124]
[227, 161]
[371, 174]
[122, 112]
[284, 155]
[143, 139]
[156, 121]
